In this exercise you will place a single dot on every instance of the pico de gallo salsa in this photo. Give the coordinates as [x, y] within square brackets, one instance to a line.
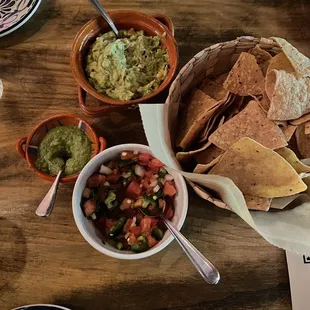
[125, 197]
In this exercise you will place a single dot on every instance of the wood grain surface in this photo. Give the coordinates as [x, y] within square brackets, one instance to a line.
[47, 260]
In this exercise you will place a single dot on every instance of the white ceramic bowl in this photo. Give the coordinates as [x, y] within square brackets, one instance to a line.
[87, 228]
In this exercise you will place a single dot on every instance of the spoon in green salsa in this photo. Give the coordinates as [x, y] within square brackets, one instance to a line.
[46, 206]
[206, 269]
[105, 15]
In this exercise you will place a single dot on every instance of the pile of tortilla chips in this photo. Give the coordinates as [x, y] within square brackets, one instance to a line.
[252, 125]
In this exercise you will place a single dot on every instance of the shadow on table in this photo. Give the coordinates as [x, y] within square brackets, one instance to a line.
[13, 251]
[36, 22]
[190, 294]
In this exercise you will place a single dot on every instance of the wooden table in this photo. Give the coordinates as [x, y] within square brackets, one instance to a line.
[47, 260]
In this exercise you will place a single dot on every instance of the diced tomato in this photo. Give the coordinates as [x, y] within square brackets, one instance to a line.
[155, 163]
[145, 224]
[133, 190]
[113, 177]
[148, 173]
[169, 189]
[90, 207]
[169, 213]
[95, 180]
[151, 241]
[136, 230]
[132, 239]
[154, 222]
[140, 217]
[127, 225]
[126, 204]
[150, 182]
[109, 223]
[126, 155]
[144, 159]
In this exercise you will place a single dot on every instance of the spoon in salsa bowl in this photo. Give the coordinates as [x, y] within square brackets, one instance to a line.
[105, 15]
[206, 269]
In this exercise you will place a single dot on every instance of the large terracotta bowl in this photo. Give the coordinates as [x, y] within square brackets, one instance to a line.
[156, 25]
[27, 147]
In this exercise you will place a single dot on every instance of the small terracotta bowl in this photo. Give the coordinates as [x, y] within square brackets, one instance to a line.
[27, 147]
[159, 25]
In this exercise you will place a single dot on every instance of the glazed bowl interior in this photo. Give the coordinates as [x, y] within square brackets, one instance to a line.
[35, 138]
[87, 228]
[123, 20]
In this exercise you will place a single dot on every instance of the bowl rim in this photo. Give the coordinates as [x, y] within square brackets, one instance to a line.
[126, 256]
[46, 176]
[105, 99]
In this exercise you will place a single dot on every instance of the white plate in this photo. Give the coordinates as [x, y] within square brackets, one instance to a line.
[14, 13]
[41, 306]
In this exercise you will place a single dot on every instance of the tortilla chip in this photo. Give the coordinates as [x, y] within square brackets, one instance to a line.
[184, 157]
[194, 117]
[260, 54]
[201, 192]
[302, 141]
[280, 62]
[289, 96]
[206, 156]
[293, 160]
[305, 118]
[258, 171]
[307, 128]
[235, 107]
[202, 168]
[221, 78]
[300, 62]
[257, 203]
[245, 77]
[288, 131]
[251, 122]
[262, 57]
[264, 102]
[214, 90]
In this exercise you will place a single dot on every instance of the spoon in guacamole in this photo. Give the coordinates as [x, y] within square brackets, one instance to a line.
[105, 15]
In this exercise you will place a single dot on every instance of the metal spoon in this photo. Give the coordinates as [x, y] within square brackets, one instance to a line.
[105, 15]
[46, 206]
[201, 263]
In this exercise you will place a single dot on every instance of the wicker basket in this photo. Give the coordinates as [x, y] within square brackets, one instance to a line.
[212, 61]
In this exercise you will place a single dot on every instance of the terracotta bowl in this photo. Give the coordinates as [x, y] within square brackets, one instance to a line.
[27, 147]
[159, 25]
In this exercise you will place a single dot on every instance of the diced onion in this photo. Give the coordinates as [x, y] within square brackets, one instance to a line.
[127, 235]
[139, 171]
[136, 152]
[106, 183]
[105, 170]
[154, 183]
[134, 219]
[154, 197]
[168, 177]
[156, 188]
[126, 175]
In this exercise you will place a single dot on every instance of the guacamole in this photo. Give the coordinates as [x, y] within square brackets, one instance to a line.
[129, 67]
[63, 147]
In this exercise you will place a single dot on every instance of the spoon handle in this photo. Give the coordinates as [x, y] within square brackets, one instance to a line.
[104, 14]
[202, 264]
[46, 206]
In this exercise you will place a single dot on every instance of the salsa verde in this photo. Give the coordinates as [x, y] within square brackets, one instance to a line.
[63, 147]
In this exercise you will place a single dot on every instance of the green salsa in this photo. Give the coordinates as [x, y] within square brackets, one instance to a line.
[129, 67]
[63, 147]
